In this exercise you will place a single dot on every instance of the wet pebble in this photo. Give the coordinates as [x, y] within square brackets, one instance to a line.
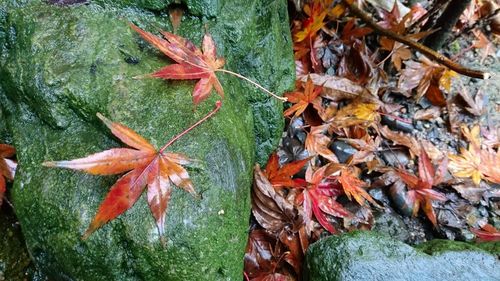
[395, 158]
[396, 124]
[342, 150]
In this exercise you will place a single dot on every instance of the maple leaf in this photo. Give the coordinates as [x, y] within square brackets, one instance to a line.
[282, 176]
[421, 192]
[7, 167]
[353, 187]
[145, 166]
[474, 162]
[318, 197]
[401, 138]
[487, 233]
[358, 112]
[302, 100]
[317, 143]
[191, 62]
[313, 23]
[265, 257]
[427, 77]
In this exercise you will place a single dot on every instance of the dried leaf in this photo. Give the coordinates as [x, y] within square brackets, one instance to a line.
[272, 210]
[430, 113]
[318, 143]
[335, 88]
[401, 138]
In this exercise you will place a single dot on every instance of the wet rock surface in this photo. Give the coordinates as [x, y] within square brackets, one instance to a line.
[371, 256]
[62, 64]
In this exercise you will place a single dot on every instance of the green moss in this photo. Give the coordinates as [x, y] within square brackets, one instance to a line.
[61, 65]
[437, 246]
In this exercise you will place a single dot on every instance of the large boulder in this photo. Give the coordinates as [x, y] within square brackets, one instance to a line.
[371, 256]
[62, 64]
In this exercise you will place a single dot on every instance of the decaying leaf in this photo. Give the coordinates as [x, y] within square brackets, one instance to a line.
[317, 143]
[145, 166]
[335, 88]
[191, 62]
[7, 167]
[265, 258]
[401, 138]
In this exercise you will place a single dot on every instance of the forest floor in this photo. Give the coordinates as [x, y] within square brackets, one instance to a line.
[378, 137]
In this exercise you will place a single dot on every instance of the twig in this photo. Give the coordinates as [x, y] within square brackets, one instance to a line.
[421, 48]
[218, 104]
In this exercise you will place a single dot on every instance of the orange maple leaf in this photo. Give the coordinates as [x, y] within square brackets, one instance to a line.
[302, 100]
[421, 192]
[353, 187]
[191, 62]
[475, 162]
[7, 167]
[487, 233]
[313, 23]
[145, 166]
[282, 176]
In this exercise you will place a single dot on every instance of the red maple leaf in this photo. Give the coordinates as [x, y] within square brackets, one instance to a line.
[7, 167]
[146, 166]
[191, 62]
[421, 192]
[487, 233]
[318, 197]
[282, 176]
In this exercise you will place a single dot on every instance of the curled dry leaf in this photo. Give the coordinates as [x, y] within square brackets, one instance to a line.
[335, 88]
[7, 167]
[317, 143]
[402, 139]
[191, 62]
[271, 210]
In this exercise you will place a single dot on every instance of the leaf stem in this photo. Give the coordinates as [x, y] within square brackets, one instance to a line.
[253, 83]
[218, 105]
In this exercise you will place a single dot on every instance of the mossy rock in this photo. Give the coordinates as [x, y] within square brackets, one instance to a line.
[62, 64]
[371, 256]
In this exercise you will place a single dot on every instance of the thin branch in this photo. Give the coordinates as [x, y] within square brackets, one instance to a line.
[251, 82]
[218, 104]
[421, 48]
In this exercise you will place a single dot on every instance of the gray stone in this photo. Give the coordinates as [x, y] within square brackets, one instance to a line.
[371, 256]
[62, 64]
